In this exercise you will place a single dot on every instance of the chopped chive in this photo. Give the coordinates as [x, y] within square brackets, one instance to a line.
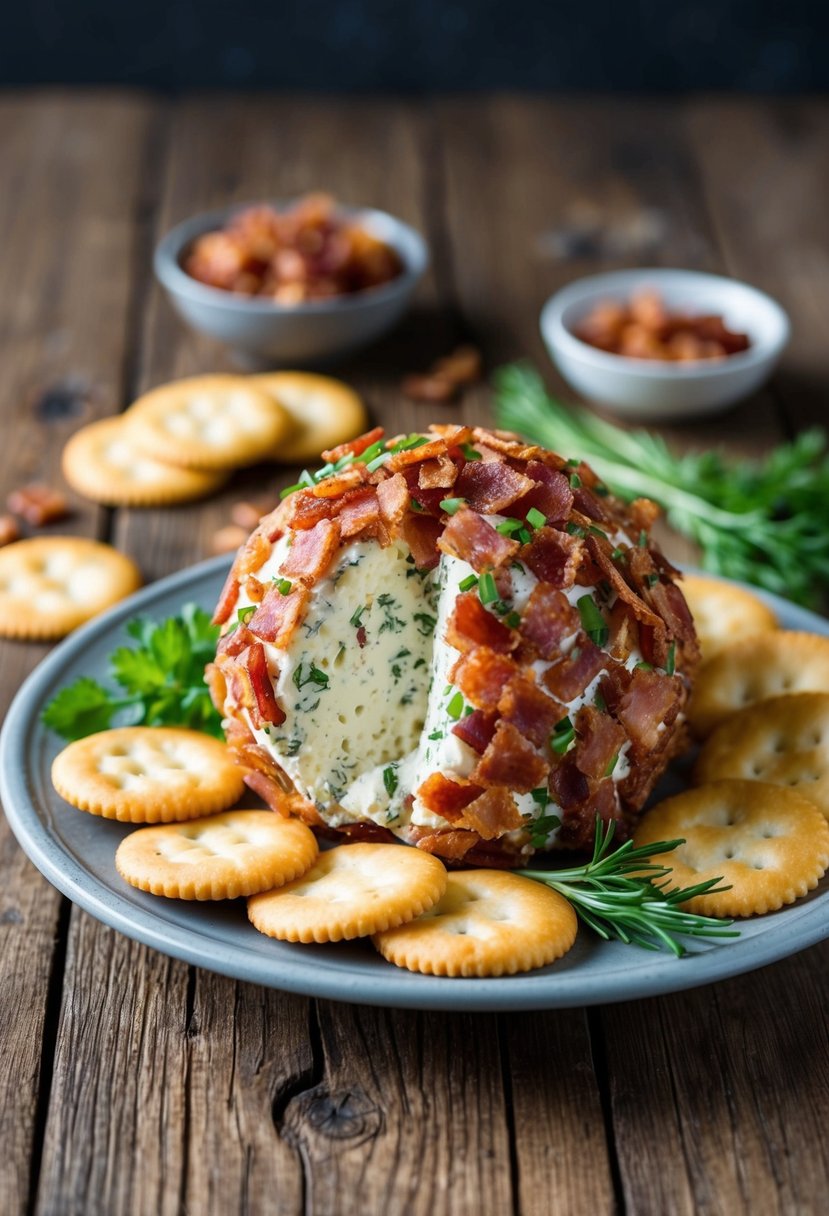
[599, 702]
[455, 707]
[416, 506]
[643, 539]
[436, 734]
[291, 489]
[535, 519]
[575, 481]
[466, 584]
[470, 453]
[575, 530]
[618, 554]
[307, 479]
[643, 666]
[512, 619]
[540, 796]
[524, 536]
[652, 579]
[517, 566]
[244, 614]
[487, 590]
[284, 585]
[425, 623]
[573, 463]
[601, 489]
[467, 710]
[447, 690]
[507, 526]
[563, 735]
[374, 464]
[594, 531]
[451, 505]
[593, 623]
[611, 764]
[670, 665]
[356, 617]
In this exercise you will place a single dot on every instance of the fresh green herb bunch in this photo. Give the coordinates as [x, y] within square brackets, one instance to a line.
[624, 895]
[161, 681]
[766, 522]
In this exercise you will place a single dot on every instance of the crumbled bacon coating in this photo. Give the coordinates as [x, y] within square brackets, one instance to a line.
[382, 490]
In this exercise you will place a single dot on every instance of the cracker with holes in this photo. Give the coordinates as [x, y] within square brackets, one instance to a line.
[723, 612]
[487, 922]
[784, 741]
[148, 774]
[50, 585]
[769, 845]
[220, 857]
[756, 669]
[208, 422]
[351, 891]
[325, 413]
[102, 463]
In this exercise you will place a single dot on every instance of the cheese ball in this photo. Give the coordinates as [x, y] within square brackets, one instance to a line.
[456, 639]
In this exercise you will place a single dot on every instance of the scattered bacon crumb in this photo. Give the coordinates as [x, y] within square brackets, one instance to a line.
[442, 383]
[38, 504]
[248, 514]
[644, 329]
[9, 531]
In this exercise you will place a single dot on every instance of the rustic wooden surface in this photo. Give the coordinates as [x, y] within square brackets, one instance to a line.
[130, 1083]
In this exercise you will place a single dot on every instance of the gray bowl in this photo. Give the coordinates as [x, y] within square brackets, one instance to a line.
[310, 333]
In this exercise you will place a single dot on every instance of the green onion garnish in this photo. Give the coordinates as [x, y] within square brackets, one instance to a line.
[390, 780]
[284, 585]
[466, 584]
[670, 665]
[507, 526]
[470, 453]
[487, 590]
[451, 505]
[535, 519]
[244, 614]
[563, 735]
[455, 707]
[575, 481]
[592, 621]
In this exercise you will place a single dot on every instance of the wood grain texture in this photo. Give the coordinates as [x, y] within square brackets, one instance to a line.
[72, 191]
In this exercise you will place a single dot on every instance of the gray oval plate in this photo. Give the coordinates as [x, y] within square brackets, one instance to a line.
[76, 852]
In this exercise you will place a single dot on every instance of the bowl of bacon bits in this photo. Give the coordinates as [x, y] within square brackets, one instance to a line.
[660, 344]
[298, 282]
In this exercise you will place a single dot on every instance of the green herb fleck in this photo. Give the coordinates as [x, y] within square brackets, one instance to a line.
[284, 586]
[244, 614]
[451, 505]
[670, 664]
[563, 735]
[390, 779]
[309, 674]
[487, 591]
[425, 623]
[535, 519]
[455, 707]
[470, 453]
[575, 481]
[593, 623]
[466, 584]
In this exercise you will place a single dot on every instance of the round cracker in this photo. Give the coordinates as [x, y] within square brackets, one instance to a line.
[351, 891]
[784, 741]
[220, 857]
[487, 922]
[148, 774]
[755, 669]
[770, 845]
[102, 463]
[208, 422]
[326, 413]
[723, 612]
[49, 585]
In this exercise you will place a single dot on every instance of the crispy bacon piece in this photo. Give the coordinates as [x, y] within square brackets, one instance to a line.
[473, 540]
[447, 797]
[492, 814]
[490, 487]
[451, 433]
[360, 516]
[567, 783]
[216, 685]
[278, 615]
[305, 509]
[265, 707]
[599, 740]
[451, 843]
[547, 619]
[476, 729]
[426, 451]
[510, 760]
[421, 532]
[393, 501]
[372, 832]
[311, 553]
[644, 513]
[550, 494]
[233, 642]
[670, 601]
[590, 504]
[507, 444]
[568, 678]
[578, 825]
[227, 598]
[253, 555]
[624, 631]
[529, 709]
[553, 556]
[337, 484]
[438, 474]
[600, 552]
[481, 675]
[355, 448]
[275, 522]
[471, 625]
[650, 700]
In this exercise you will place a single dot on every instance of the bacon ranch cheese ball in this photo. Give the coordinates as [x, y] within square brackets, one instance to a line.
[456, 639]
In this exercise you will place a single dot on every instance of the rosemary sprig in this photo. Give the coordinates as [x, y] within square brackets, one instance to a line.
[626, 896]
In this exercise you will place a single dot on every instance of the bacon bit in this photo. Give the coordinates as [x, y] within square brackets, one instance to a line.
[651, 699]
[578, 828]
[600, 552]
[551, 494]
[599, 740]
[452, 433]
[9, 531]
[547, 619]
[421, 533]
[362, 637]
[493, 814]
[287, 805]
[672, 606]
[254, 589]
[568, 678]
[360, 514]
[644, 513]
[216, 685]
[372, 833]
[468, 536]
[305, 509]
[332, 487]
[435, 390]
[470, 625]
[481, 676]
[426, 451]
[439, 474]
[510, 760]
[355, 448]
[553, 556]
[463, 366]
[393, 501]
[274, 524]
[446, 797]
[252, 556]
[476, 729]
[227, 598]
[440, 384]
[228, 539]
[233, 643]
[624, 631]
[568, 785]
[265, 708]
[529, 709]
[491, 487]
[591, 506]
[312, 552]
[450, 843]
[507, 443]
[247, 515]
[38, 504]
[278, 615]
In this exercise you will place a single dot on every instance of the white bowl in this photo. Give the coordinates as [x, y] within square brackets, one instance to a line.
[650, 390]
[308, 333]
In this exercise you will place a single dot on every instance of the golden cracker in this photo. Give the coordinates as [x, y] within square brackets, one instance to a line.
[723, 612]
[351, 891]
[487, 922]
[326, 413]
[784, 741]
[770, 845]
[208, 422]
[50, 585]
[220, 857]
[102, 463]
[148, 774]
[755, 669]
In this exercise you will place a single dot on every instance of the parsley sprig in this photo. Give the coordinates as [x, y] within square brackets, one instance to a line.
[161, 681]
[762, 521]
[624, 895]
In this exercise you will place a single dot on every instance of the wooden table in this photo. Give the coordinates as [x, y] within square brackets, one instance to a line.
[134, 1084]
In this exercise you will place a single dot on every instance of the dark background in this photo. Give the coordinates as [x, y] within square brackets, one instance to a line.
[419, 45]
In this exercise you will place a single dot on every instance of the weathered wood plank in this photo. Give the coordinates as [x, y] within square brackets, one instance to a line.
[73, 189]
